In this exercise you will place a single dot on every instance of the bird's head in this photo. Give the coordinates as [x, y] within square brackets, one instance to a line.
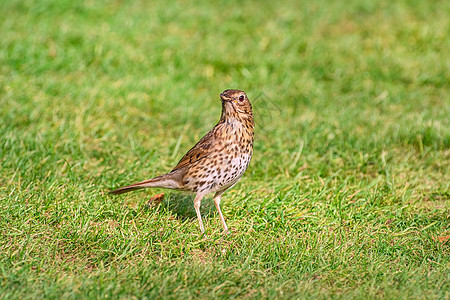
[235, 104]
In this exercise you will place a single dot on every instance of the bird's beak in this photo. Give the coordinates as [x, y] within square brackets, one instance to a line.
[224, 98]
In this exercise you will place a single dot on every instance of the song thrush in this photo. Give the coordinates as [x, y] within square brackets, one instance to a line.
[217, 161]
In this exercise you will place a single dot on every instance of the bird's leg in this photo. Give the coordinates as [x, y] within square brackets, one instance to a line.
[217, 203]
[197, 202]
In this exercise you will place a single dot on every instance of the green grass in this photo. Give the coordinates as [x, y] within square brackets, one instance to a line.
[347, 194]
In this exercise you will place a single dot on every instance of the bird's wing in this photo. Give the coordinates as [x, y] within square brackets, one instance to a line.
[201, 150]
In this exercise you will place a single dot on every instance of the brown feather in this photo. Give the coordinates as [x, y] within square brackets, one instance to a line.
[167, 181]
[200, 150]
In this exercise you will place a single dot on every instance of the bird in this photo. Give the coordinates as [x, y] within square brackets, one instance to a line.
[216, 162]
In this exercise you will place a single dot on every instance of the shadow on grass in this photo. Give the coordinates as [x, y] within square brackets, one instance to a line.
[183, 206]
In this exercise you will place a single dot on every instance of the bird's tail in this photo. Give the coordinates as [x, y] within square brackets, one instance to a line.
[163, 181]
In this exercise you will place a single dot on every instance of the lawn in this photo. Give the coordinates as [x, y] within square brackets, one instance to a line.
[347, 194]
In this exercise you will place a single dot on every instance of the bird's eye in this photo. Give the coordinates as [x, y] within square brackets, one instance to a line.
[241, 98]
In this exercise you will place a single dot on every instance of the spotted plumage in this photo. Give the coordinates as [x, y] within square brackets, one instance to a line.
[217, 161]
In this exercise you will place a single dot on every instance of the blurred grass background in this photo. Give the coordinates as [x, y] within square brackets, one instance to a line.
[347, 194]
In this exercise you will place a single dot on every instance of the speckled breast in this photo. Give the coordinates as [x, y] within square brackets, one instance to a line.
[224, 166]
